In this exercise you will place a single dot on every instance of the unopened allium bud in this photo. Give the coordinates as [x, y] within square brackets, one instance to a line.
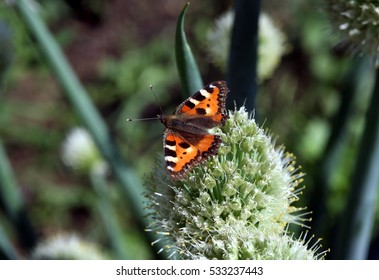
[236, 205]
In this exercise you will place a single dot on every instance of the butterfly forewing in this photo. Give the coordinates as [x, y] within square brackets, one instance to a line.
[209, 101]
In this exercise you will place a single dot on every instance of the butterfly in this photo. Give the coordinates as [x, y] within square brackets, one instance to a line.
[186, 140]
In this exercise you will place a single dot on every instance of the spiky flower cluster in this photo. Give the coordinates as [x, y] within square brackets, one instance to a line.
[272, 44]
[235, 206]
[358, 21]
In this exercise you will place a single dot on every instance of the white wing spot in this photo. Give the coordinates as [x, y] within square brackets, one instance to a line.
[171, 159]
[204, 93]
[194, 101]
[172, 148]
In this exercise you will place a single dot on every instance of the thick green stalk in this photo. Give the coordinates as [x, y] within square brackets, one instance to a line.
[6, 52]
[108, 216]
[356, 227]
[12, 202]
[76, 94]
[7, 251]
[188, 71]
[242, 68]
[335, 145]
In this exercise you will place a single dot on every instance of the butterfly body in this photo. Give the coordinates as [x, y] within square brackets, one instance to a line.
[187, 141]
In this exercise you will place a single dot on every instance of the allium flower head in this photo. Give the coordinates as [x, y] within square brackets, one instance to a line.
[272, 44]
[220, 33]
[81, 154]
[237, 205]
[66, 247]
[358, 21]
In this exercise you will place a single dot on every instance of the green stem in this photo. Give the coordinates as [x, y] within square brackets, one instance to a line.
[7, 251]
[131, 186]
[6, 52]
[12, 202]
[356, 227]
[242, 68]
[108, 216]
[335, 145]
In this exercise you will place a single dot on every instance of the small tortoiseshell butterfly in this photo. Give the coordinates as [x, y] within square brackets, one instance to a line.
[186, 139]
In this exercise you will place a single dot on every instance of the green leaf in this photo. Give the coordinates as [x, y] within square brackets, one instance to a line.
[358, 217]
[6, 51]
[188, 70]
[13, 205]
[130, 184]
[7, 251]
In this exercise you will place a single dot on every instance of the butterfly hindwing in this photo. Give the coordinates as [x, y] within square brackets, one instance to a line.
[181, 155]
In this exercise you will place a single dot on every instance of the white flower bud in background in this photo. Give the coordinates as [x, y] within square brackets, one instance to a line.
[66, 247]
[80, 153]
[272, 44]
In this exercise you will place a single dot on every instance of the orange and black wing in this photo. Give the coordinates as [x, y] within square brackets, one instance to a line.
[186, 141]
[207, 102]
[182, 155]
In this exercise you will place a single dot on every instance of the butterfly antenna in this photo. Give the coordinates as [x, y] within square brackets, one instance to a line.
[143, 119]
[159, 105]
[156, 99]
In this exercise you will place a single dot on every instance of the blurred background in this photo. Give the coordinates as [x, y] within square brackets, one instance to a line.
[120, 47]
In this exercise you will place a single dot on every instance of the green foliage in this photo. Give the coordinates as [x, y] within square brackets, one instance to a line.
[188, 70]
[25, 57]
[148, 66]
[129, 50]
